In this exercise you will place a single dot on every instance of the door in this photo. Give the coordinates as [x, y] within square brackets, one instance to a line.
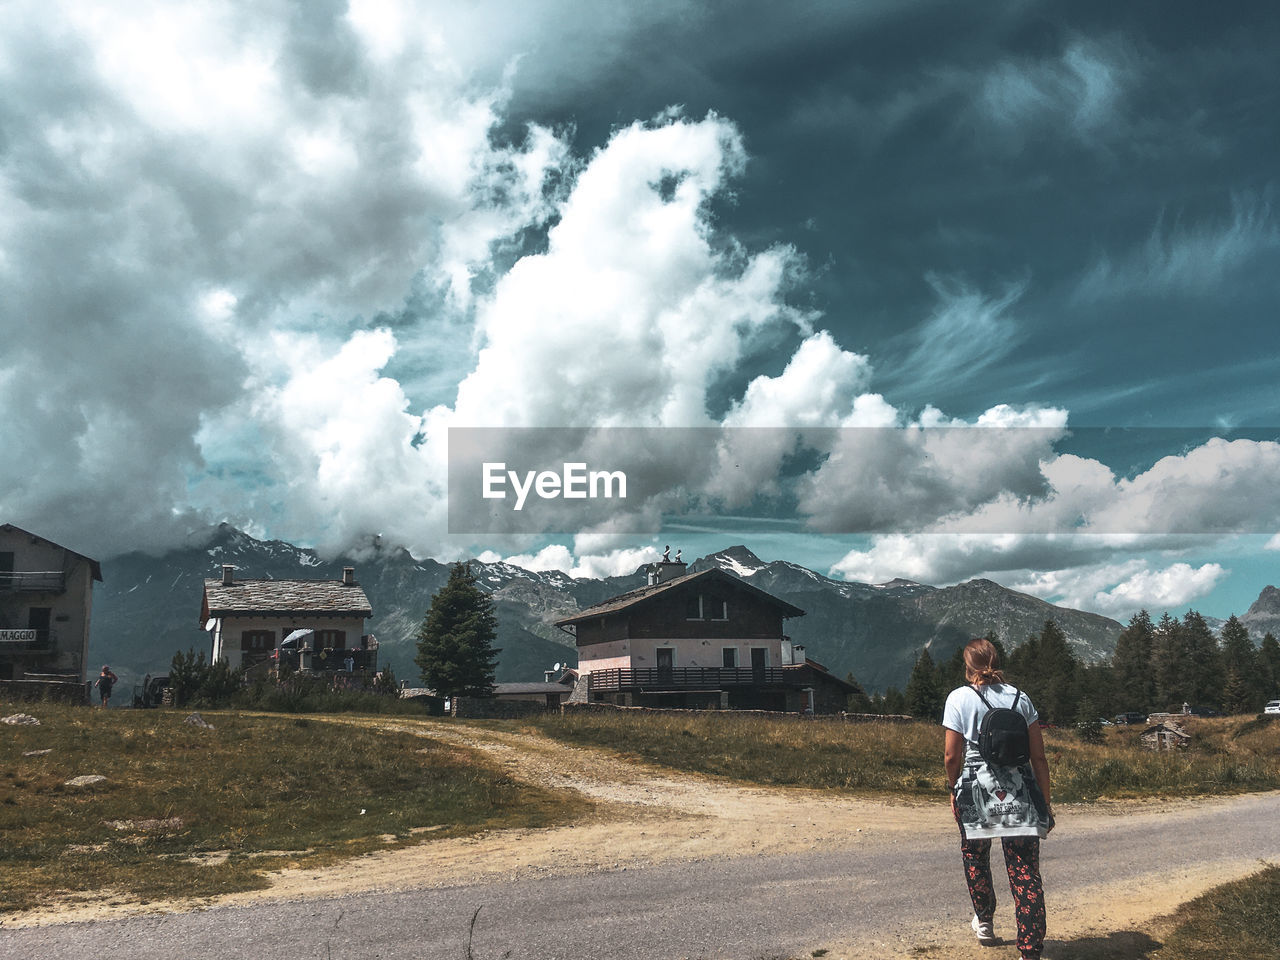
[666, 663]
[39, 619]
[759, 660]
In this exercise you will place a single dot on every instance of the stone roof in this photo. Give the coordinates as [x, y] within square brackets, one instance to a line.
[632, 597]
[284, 597]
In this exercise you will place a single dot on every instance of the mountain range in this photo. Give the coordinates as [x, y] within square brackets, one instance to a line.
[148, 608]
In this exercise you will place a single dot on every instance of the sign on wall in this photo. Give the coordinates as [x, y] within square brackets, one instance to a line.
[17, 636]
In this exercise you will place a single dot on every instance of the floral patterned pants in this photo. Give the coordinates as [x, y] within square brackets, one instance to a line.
[1022, 860]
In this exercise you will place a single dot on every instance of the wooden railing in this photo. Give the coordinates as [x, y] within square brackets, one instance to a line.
[684, 678]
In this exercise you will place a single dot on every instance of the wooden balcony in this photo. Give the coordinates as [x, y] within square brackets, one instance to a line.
[685, 678]
[33, 581]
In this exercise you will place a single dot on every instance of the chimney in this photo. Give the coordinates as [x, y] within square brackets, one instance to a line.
[226, 574]
[348, 576]
[665, 570]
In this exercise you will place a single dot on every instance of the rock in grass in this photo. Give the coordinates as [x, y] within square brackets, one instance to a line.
[38, 753]
[146, 826]
[198, 721]
[88, 780]
[20, 718]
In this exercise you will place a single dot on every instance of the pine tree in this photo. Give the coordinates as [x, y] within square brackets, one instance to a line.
[1269, 666]
[924, 694]
[1046, 668]
[1236, 695]
[858, 701]
[1134, 680]
[1239, 658]
[894, 702]
[455, 642]
[1207, 674]
[1171, 664]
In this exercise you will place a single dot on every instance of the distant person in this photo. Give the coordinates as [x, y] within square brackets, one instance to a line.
[990, 800]
[106, 680]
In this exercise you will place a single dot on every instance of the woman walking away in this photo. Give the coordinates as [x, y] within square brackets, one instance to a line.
[106, 680]
[999, 780]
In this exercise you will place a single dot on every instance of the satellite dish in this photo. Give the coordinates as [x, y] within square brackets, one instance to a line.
[558, 667]
[210, 624]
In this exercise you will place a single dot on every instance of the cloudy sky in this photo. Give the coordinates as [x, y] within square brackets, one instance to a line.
[256, 261]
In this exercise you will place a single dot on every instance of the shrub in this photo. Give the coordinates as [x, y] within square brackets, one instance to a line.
[1090, 731]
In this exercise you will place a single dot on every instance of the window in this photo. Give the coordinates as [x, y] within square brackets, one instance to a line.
[729, 658]
[257, 640]
[702, 607]
[331, 639]
[693, 607]
[714, 608]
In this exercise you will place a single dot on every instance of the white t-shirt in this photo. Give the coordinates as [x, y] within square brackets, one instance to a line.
[965, 709]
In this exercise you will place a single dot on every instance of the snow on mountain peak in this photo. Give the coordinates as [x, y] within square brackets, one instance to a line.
[739, 560]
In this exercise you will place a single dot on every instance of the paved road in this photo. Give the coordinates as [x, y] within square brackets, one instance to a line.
[878, 892]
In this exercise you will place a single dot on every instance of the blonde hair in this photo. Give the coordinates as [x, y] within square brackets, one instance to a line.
[980, 659]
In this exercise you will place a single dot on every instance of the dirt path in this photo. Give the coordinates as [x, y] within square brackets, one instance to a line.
[647, 816]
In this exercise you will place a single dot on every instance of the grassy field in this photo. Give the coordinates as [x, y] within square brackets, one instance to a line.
[1237, 921]
[1230, 755]
[187, 811]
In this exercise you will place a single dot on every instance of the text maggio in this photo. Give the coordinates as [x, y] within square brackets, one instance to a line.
[575, 482]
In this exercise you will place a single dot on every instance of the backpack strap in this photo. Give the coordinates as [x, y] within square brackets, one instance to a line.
[985, 703]
[1017, 695]
[984, 700]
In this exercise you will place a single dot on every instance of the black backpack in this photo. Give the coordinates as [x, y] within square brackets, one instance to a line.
[1003, 738]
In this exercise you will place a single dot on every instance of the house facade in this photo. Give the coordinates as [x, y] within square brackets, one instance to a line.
[319, 624]
[46, 596]
[704, 640]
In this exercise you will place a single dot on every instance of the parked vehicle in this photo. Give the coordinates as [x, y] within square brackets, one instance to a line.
[1273, 706]
[150, 693]
[1131, 717]
[1205, 712]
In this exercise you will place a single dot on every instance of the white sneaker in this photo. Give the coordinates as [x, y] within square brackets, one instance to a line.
[986, 936]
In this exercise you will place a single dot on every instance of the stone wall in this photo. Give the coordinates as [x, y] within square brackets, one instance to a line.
[571, 707]
[32, 691]
[483, 708]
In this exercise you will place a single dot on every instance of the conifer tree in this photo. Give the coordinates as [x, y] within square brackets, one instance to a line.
[924, 695]
[1239, 658]
[1269, 666]
[858, 701]
[1046, 668]
[894, 702]
[1236, 695]
[455, 642]
[1171, 664]
[1134, 680]
[1207, 675]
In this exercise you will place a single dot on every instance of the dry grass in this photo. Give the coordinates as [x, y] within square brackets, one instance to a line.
[1237, 921]
[1230, 755]
[186, 811]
